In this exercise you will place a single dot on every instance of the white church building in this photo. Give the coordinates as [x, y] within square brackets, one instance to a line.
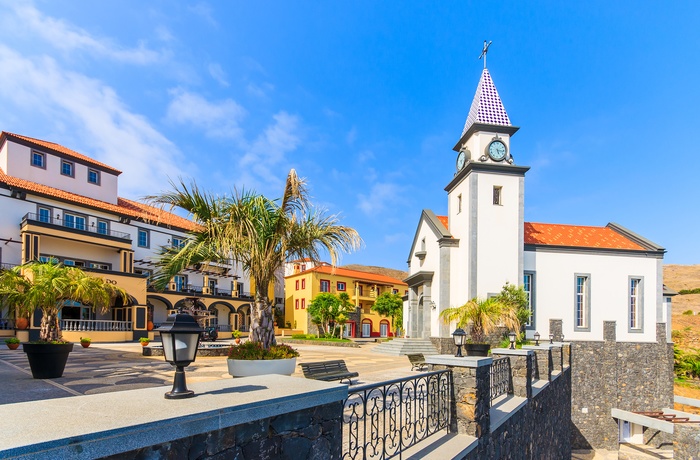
[582, 275]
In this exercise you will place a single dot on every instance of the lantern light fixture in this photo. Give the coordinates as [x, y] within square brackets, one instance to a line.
[180, 335]
[537, 339]
[459, 337]
[511, 336]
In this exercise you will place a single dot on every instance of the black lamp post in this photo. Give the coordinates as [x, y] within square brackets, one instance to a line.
[537, 339]
[511, 336]
[551, 338]
[180, 335]
[459, 336]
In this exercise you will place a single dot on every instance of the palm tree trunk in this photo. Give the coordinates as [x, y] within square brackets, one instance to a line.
[262, 323]
[49, 331]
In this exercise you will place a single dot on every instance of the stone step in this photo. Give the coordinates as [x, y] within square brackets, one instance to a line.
[398, 347]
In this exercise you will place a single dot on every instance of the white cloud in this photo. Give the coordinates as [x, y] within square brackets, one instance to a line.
[217, 119]
[260, 91]
[365, 156]
[204, 10]
[218, 74]
[93, 112]
[380, 197]
[67, 37]
[351, 136]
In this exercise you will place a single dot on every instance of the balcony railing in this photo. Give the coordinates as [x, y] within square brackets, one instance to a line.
[79, 226]
[97, 325]
[382, 420]
[7, 324]
[500, 378]
[199, 290]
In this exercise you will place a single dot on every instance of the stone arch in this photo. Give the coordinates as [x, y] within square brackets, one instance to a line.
[158, 308]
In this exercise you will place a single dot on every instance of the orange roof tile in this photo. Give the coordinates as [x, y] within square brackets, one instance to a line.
[60, 149]
[328, 269]
[577, 236]
[123, 207]
[444, 221]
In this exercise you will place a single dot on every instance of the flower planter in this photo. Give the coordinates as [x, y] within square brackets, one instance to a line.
[12, 346]
[247, 368]
[85, 344]
[47, 360]
[21, 323]
[477, 349]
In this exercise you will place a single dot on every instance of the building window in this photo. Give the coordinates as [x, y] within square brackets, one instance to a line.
[394, 291]
[100, 266]
[497, 189]
[341, 286]
[296, 304]
[143, 240]
[39, 159]
[582, 315]
[529, 288]
[44, 215]
[102, 227]
[67, 168]
[178, 242]
[325, 286]
[180, 282]
[459, 203]
[296, 284]
[74, 221]
[303, 303]
[635, 304]
[303, 283]
[93, 176]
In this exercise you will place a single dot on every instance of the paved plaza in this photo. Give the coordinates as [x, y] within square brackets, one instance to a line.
[107, 367]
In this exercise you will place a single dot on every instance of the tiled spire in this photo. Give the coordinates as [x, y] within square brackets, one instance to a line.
[486, 107]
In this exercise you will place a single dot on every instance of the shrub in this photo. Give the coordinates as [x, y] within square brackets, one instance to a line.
[255, 350]
[689, 291]
[85, 340]
[688, 312]
[12, 340]
[236, 334]
[686, 365]
[144, 340]
[299, 336]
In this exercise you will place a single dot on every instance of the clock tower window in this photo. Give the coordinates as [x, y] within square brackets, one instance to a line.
[459, 203]
[497, 195]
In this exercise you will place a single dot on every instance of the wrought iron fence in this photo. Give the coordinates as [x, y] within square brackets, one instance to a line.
[382, 420]
[80, 325]
[74, 224]
[500, 377]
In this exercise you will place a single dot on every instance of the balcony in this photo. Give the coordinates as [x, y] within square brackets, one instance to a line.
[74, 230]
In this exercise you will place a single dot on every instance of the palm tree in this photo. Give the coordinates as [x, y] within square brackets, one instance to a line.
[257, 233]
[484, 316]
[47, 286]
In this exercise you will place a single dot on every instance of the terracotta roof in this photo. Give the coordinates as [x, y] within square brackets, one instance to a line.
[365, 276]
[123, 207]
[486, 106]
[577, 236]
[59, 149]
[444, 220]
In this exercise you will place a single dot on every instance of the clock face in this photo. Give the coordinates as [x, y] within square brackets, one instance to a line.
[497, 150]
[461, 159]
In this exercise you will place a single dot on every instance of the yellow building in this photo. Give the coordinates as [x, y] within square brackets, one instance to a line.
[302, 284]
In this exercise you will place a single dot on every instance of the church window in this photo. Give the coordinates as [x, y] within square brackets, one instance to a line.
[529, 288]
[582, 315]
[459, 203]
[635, 304]
[497, 189]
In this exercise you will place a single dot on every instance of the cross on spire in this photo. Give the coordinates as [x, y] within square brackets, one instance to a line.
[484, 51]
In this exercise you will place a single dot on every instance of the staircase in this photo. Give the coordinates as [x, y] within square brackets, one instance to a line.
[398, 347]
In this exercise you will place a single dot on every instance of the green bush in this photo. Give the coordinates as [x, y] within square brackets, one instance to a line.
[299, 336]
[12, 340]
[686, 365]
[688, 312]
[689, 291]
[255, 350]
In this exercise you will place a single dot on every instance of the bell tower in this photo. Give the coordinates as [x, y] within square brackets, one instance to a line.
[486, 200]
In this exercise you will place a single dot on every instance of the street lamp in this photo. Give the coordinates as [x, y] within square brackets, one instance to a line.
[551, 338]
[511, 336]
[537, 339]
[459, 337]
[180, 335]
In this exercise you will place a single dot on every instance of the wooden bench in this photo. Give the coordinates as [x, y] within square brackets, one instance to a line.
[328, 371]
[417, 361]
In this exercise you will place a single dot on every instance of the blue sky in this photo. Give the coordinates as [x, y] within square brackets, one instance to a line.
[366, 99]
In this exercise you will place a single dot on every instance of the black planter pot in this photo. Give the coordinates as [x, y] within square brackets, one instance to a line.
[477, 349]
[47, 360]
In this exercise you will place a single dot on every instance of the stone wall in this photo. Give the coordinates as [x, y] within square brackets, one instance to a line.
[686, 442]
[539, 430]
[630, 376]
[310, 434]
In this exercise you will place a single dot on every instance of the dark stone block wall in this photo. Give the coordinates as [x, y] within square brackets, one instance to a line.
[630, 376]
[686, 441]
[540, 430]
[313, 433]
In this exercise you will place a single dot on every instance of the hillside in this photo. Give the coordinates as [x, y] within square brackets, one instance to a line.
[398, 274]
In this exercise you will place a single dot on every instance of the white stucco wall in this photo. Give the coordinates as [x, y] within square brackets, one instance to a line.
[609, 292]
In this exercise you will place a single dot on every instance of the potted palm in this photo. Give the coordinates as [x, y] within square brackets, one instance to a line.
[484, 316]
[250, 358]
[48, 286]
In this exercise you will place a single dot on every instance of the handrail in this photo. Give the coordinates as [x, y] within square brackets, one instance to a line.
[94, 325]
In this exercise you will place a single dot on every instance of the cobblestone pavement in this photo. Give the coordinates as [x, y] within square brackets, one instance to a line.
[105, 367]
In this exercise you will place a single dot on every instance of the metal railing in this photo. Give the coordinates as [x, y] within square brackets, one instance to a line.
[500, 378]
[224, 328]
[80, 325]
[4, 266]
[7, 324]
[72, 224]
[382, 420]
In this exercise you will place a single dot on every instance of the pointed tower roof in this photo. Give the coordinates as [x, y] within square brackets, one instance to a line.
[487, 111]
[487, 107]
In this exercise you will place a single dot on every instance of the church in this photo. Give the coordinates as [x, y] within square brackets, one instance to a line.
[598, 287]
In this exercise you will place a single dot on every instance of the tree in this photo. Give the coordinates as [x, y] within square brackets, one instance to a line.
[484, 316]
[390, 305]
[255, 232]
[323, 309]
[48, 286]
[518, 299]
[347, 307]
